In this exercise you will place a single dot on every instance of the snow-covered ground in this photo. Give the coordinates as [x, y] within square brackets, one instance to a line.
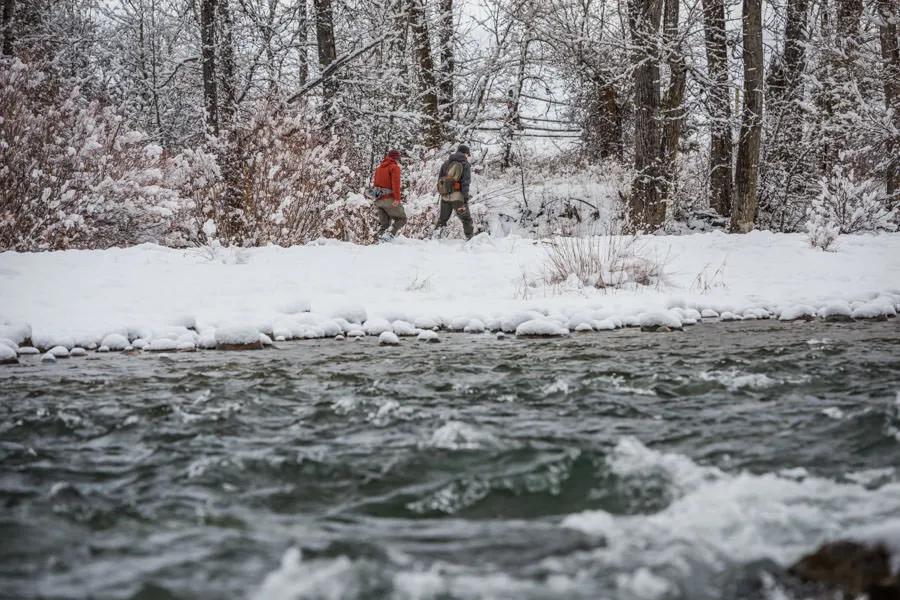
[178, 299]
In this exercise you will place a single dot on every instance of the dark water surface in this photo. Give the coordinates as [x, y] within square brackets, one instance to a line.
[618, 465]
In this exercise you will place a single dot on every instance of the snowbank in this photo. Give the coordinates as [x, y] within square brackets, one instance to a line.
[166, 297]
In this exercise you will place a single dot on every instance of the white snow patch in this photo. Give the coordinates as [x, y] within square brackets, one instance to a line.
[428, 336]
[7, 354]
[541, 327]
[660, 318]
[162, 345]
[237, 334]
[115, 341]
[388, 338]
[404, 328]
[376, 326]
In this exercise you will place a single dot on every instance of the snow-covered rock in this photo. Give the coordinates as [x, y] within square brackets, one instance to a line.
[45, 341]
[265, 340]
[59, 351]
[873, 310]
[9, 344]
[28, 351]
[388, 338]
[48, 357]
[797, 312]
[8, 356]
[542, 327]
[238, 337]
[185, 347]
[427, 322]
[727, 315]
[458, 323]
[604, 325]
[708, 313]
[339, 337]
[17, 332]
[356, 333]
[583, 327]
[404, 328]
[103, 349]
[138, 344]
[377, 326]
[656, 320]
[428, 335]
[115, 341]
[474, 326]
[162, 345]
[77, 351]
[835, 311]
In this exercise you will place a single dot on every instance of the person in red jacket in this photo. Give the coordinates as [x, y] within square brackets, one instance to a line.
[388, 200]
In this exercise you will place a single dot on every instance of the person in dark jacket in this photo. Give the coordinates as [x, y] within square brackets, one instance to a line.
[458, 169]
[388, 200]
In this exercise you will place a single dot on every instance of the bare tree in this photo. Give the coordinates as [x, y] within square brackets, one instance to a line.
[720, 145]
[208, 59]
[672, 109]
[746, 177]
[327, 50]
[448, 63]
[427, 77]
[646, 207]
[225, 49]
[6, 25]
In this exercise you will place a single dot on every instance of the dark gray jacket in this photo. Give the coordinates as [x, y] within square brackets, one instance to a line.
[466, 178]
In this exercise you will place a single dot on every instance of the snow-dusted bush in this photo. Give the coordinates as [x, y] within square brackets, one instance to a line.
[853, 206]
[601, 262]
[845, 205]
[74, 175]
[280, 173]
[821, 231]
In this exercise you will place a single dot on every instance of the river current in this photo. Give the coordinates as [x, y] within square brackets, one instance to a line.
[623, 465]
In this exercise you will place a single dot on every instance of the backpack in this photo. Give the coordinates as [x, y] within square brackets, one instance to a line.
[449, 183]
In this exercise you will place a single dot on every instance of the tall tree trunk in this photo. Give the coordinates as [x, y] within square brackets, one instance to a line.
[448, 65]
[672, 109]
[226, 52]
[327, 50]
[890, 53]
[6, 26]
[208, 57]
[746, 177]
[646, 207]
[602, 132]
[302, 54]
[720, 145]
[513, 122]
[431, 108]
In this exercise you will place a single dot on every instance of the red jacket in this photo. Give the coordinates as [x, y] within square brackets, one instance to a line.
[387, 175]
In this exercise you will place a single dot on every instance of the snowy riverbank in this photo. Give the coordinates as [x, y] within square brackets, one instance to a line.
[204, 296]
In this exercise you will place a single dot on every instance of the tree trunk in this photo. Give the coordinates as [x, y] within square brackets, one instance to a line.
[448, 65]
[746, 178]
[672, 110]
[602, 133]
[303, 55]
[839, 70]
[890, 53]
[513, 121]
[646, 206]
[720, 146]
[208, 57]
[431, 108]
[226, 53]
[327, 50]
[9, 9]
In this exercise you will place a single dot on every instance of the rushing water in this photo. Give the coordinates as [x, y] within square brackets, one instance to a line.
[620, 465]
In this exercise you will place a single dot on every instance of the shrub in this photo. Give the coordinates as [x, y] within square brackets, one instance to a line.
[601, 262]
[73, 175]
